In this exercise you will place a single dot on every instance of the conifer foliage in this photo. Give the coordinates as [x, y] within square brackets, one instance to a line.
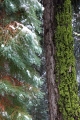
[19, 57]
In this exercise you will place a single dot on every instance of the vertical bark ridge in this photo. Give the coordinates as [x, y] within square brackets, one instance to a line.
[50, 60]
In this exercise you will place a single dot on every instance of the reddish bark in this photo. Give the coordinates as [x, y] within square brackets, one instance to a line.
[49, 25]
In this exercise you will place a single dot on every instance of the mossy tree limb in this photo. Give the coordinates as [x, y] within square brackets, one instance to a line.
[65, 65]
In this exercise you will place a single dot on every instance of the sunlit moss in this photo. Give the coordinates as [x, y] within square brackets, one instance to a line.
[65, 65]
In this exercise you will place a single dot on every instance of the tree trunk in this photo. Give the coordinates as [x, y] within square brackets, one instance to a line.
[61, 74]
[50, 60]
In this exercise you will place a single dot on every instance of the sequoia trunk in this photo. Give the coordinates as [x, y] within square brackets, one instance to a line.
[61, 74]
[50, 61]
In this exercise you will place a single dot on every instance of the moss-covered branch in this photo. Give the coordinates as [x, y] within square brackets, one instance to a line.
[65, 65]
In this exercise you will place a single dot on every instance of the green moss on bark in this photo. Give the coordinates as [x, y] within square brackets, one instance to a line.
[65, 65]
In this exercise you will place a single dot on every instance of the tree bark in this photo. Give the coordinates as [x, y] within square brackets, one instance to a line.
[49, 43]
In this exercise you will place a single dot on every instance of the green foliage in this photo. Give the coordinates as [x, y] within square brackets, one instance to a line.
[23, 11]
[20, 52]
[65, 65]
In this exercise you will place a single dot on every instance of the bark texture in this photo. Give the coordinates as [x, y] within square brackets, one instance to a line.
[63, 99]
[50, 61]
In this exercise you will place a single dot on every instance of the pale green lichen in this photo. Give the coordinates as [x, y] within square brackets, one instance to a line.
[65, 65]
